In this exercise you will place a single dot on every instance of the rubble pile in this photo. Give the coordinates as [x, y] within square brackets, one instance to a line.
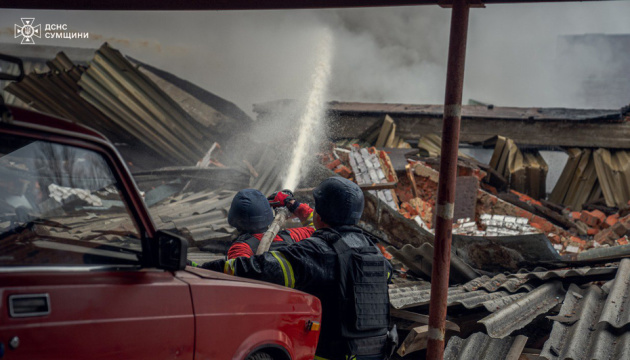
[512, 184]
[522, 267]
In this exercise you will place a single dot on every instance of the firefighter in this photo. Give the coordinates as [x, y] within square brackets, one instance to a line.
[341, 265]
[251, 214]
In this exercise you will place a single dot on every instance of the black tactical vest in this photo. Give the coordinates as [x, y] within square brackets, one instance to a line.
[275, 245]
[363, 306]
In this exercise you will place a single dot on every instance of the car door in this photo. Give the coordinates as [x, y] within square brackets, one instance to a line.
[72, 284]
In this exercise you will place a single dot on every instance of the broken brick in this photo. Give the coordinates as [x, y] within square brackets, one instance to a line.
[545, 225]
[599, 215]
[611, 220]
[592, 219]
[575, 215]
[343, 171]
[554, 238]
[620, 229]
[525, 198]
[333, 164]
[623, 241]
[591, 231]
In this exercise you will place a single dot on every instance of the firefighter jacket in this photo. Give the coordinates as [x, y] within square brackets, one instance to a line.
[346, 271]
[246, 244]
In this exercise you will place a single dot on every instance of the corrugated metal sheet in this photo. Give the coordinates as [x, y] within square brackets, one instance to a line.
[521, 312]
[268, 168]
[420, 260]
[410, 296]
[219, 107]
[515, 282]
[544, 274]
[592, 323]
[201, 217]
[480, 346]
[616, 311]
[114, 97]
[118, 89]
[501, 281]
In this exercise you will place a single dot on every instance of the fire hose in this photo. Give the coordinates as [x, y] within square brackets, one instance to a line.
[282, 214]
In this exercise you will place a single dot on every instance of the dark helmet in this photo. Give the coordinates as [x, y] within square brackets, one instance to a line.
[338, 201]
[250, 211]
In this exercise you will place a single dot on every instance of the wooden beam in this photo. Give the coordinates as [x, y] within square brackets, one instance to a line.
[415, 341]
[419, 318]
[475, 130]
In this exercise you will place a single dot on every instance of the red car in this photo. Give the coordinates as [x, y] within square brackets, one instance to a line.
[84, 274]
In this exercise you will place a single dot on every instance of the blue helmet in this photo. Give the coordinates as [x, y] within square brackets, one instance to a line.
[250, 212]
[338, 201]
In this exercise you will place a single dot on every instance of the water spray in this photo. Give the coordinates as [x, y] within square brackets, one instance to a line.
[311, 122]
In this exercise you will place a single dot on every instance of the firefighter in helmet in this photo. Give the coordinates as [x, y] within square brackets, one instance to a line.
[251, 214]
[341, 265]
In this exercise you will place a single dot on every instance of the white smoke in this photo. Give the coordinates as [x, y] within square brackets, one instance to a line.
[381, 54]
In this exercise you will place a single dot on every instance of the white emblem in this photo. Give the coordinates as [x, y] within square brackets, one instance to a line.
[27, 31]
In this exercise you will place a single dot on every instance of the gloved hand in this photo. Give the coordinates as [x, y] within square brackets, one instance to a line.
[283, 198]
[215, 265]
[280, 198]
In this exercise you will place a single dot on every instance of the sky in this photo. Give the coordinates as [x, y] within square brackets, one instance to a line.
[394, 55]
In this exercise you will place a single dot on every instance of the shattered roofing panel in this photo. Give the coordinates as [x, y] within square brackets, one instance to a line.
[521, 312]
[520, 280]
[402, 297]
[497, 282]
[579, 332]
[616, 311]
[218, 103]
[566, 273]
[480, 346]
[592, 322]
[201, 217]
[420, 260]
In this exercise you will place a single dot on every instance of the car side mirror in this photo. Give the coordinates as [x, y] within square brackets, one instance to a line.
[172, 251]
[11, 68]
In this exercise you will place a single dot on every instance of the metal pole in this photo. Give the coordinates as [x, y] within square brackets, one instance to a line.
[448, 174]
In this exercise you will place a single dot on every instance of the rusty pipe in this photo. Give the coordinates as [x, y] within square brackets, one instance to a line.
[448, 174]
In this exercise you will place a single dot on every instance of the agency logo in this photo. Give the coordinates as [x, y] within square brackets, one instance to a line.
[27, 31]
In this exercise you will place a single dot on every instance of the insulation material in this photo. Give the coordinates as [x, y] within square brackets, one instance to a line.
[613, 173]
[525, 171]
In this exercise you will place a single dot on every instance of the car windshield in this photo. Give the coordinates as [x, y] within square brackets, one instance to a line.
[61, 205]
